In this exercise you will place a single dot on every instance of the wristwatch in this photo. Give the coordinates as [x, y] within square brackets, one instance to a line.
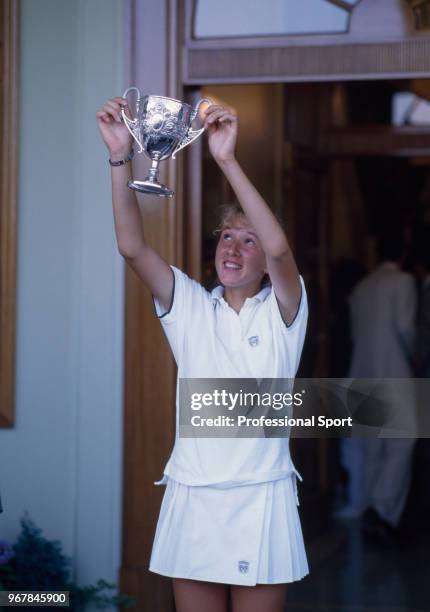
[121, 162]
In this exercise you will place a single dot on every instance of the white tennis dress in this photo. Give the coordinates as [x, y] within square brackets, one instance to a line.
[229, 513]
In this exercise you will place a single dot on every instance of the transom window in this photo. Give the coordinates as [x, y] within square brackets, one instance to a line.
[237, 18]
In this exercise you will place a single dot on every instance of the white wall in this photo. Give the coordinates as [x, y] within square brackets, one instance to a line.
[63, 459]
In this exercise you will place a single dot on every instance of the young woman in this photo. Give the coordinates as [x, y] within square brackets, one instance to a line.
[229, 519]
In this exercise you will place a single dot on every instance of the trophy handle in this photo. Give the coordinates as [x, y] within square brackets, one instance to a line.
[132, 124]
[191, 134]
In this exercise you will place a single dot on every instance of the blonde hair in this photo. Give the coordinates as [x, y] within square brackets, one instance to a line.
[226, 213]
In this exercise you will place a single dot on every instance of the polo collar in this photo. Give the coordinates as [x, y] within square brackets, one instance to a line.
[218, 294]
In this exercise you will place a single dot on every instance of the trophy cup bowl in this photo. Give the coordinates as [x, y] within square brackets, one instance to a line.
[161, 128]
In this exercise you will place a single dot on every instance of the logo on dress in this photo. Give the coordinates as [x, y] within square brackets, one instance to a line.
[253, 340]
[243, 567]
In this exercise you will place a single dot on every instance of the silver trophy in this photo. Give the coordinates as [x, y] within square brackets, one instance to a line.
[161, 128]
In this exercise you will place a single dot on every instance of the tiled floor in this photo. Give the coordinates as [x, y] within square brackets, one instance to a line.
[350, 574]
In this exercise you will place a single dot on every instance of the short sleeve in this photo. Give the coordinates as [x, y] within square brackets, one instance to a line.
[175, 320]
[176, 304]
[290, 338]
[301, 316]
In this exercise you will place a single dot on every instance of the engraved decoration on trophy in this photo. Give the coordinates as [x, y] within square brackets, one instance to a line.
[161, 128]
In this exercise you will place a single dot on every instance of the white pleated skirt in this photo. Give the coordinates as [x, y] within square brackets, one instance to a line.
[244, 535]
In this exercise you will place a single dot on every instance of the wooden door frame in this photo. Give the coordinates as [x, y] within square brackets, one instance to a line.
[9, 113]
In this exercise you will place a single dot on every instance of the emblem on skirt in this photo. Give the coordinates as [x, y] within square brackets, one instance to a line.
[243, 567]
[253, 340]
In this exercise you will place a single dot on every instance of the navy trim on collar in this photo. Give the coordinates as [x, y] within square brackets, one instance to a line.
[218, 293]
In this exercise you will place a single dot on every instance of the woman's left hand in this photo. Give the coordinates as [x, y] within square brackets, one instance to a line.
[222, 127]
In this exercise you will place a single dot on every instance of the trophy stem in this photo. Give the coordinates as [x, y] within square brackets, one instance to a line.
[151, 185]
[153, 171]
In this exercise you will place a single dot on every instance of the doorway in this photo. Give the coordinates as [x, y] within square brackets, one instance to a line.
[338, 163]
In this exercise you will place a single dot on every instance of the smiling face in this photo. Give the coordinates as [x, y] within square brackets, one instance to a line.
[239, 258]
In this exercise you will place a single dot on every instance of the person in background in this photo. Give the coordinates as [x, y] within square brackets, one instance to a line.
[383, 310]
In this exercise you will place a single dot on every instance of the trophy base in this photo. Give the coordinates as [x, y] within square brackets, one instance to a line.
[151, 188]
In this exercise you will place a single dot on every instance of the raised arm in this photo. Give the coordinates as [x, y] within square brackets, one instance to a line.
[142, 258]
[222, 127]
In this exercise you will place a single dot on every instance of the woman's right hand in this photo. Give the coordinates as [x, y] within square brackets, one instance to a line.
[114, 132]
